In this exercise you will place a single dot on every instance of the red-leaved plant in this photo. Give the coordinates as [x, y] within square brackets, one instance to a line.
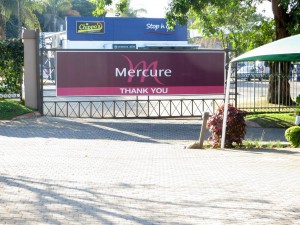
[236, 127]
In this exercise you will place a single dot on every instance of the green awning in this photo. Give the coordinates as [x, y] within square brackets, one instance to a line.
[286, 49]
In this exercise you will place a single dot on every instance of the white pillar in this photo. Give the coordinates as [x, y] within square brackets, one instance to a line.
[30, 68]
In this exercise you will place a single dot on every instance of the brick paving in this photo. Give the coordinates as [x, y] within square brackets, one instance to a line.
[85, 171]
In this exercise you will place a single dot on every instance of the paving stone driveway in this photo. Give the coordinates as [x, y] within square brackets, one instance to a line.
[84, 171]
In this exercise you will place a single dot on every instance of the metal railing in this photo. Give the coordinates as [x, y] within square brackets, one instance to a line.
[251, 91]
[154, 108]
[266, 90]
[118, 106]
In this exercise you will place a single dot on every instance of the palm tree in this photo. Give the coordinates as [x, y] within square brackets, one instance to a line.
[126, 11]
[6, 9]
[122, 8]
[25, 13]
[55, 7]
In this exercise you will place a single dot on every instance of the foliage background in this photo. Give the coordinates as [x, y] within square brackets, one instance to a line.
[11, 66]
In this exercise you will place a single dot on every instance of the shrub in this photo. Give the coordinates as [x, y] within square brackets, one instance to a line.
[297, 109]
[11, 66]
[292, 134]
[298, 100]
[236, 127]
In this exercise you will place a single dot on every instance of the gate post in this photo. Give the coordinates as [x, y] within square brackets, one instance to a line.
[31, 73]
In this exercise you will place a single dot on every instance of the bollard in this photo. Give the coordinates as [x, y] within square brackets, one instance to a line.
[203, 129]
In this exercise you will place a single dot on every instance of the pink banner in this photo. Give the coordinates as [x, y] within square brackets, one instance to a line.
[140, 73]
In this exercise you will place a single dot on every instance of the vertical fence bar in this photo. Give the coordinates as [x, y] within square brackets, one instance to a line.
[125, 109]
[137, 107]
[279, 83]
[67, 108]
[159, 108]
[254, 95]
[181, 105]
[170, 114]
[91, 109]
[79, 113]
[192, 107]
[148, 104]
[114, 109]
[102, 110]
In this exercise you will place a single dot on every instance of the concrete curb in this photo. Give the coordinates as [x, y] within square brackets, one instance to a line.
[27, 116]
[251, 124]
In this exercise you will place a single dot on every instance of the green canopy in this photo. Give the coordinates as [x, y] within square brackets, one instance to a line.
[286, 49]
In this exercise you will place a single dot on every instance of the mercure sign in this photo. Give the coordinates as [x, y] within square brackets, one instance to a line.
[139, 73]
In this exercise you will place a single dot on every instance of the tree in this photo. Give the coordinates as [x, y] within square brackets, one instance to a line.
[122, 7]
[236, 22]
[101, 6]
[83, 7]
[126, 11]
[6, 9]
[287, 17]
[12, 29]
[55, 7]
[245, 27]
[287, 22]
[26, 14]
[18, 13]
[286, 12]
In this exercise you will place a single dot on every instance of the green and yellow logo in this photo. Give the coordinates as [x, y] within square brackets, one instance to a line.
[90, 27]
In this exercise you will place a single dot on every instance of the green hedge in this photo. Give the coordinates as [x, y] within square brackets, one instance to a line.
[292, 134]
[11, 66]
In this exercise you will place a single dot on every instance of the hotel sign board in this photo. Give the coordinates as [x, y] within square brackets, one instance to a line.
[117, 73]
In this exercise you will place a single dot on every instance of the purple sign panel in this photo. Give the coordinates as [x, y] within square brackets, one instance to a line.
[140, 73]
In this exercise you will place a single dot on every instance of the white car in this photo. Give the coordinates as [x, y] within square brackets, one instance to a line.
[249, 72]
[296, 72]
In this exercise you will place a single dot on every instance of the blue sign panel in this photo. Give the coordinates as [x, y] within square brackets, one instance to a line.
[126, 29]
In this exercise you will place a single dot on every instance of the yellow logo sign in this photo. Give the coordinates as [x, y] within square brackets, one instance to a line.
[90, 27]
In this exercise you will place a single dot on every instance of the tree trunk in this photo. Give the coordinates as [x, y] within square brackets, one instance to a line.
[19, 19]
[2, 27]
[281, 20]
[279, 86]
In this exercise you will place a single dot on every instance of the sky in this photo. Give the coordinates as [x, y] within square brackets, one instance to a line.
[267, 7]
[156, 8]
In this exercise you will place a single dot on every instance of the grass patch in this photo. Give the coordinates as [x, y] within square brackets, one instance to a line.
[11, 108]
[247, 144]
[273, 120]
